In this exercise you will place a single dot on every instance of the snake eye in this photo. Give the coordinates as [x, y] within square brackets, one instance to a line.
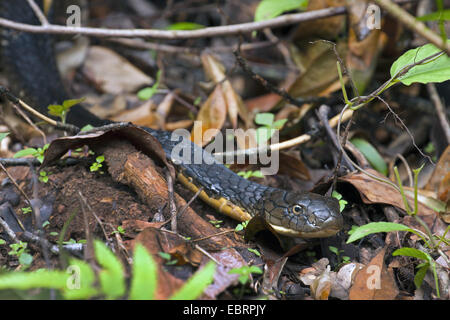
[297, 209]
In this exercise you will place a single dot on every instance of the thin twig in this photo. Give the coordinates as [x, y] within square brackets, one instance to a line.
[413, 24]
[270, 87]
[184, 208]
[38, 12]
[285, 144]
[440, 110]
[4, 92]
[172, 205]
[178, 34]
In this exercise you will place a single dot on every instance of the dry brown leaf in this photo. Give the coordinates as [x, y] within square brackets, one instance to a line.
[234, 104]
[141, 116]
[364, 45]
[375, 281]
[211, 118]
[373, 191]
[442, 168]
[111, 73]
[325, 28]
[292, 165]
[263, 103]
[320, 72]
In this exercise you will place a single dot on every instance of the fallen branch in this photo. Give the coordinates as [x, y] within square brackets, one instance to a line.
[177, 34]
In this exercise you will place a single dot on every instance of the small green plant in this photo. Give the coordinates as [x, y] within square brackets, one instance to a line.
[216, 223]
[43, 176]
[119, 230]
[268, 126]
[2, 241]
[146, 93]
[431, 241]
[97, 164]
[250, 173]
[241, 226]
[245, 272]
[342, 202]
[79, 281]
[37, 153]
[61, 110]
[20, 251]
[254, 251]
[73, 241]
[168, 257]
[26, 210]
[341, 259]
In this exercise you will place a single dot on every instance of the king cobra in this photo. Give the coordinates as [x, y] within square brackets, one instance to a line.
[28, 61]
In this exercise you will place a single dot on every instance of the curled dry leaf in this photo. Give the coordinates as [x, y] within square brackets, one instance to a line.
[374, 191]
[210, 118]
[112, 73]
[234, 104]
[344, 280]
[375, 281]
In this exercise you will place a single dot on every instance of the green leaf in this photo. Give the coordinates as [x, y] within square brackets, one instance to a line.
[254, 251]
[268, 9]
[87, 128]
[67, 104]
[145, 273]
[195, 286]
[35, 279]
[438, 15]
[438, 70]
[264, 119]
[375, 227]
[112, 278]
[185, 26]
[3, 135]
[55, 110]
[25, 152]
[263, 134]
[147, 93]
[420, 275]
[25, 259]
[80, 281]
[413, 252]
[279, 124]
[371, 154]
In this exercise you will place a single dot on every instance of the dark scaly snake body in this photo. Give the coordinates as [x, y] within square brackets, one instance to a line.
[29, 63]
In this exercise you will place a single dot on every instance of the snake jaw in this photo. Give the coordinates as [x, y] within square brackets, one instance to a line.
[319, 218]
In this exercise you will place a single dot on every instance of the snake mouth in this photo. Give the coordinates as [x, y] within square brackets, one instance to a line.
[323, 233]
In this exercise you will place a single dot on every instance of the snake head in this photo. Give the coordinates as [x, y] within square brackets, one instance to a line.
[302, 214]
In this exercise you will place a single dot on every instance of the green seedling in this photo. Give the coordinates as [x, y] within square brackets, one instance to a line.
[241, 226]
[148, 92]
[342, 202]
[268, 126]
[166, 256]
[97, 164]
[26, 210]
[61, 110]
[43, 176]
[250, 173]
[20, 251]
[341, 259]
[37, 153]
